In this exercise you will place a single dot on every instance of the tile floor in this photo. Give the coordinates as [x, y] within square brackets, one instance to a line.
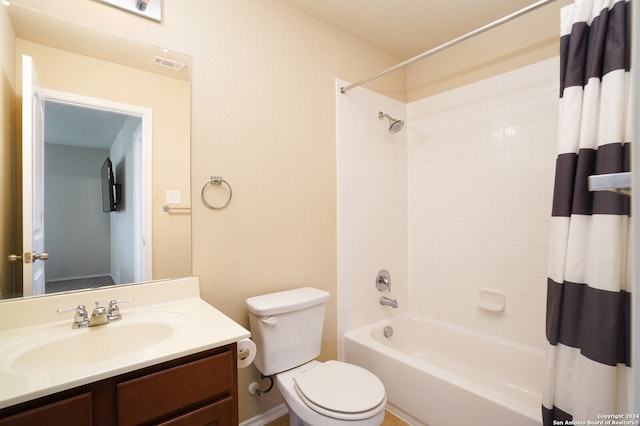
[389, 420]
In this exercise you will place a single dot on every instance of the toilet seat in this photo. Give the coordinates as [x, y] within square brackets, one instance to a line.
[340, 390]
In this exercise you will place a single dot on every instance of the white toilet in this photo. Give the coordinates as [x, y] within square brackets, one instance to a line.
[287, 330]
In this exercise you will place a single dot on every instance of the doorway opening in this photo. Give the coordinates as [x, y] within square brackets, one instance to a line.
[87, 246]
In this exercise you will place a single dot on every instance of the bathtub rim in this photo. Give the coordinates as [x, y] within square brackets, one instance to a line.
[362, 336]
[445, 324]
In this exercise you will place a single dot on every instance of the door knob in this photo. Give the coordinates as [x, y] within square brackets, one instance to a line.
[14, 258]
[28, 257]
[42, 256]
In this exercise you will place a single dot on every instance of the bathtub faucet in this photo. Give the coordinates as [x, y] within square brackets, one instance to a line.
[385, 301]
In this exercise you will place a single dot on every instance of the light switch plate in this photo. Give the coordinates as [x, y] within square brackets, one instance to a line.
[173, 196]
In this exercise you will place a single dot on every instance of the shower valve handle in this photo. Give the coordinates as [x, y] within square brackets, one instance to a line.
[383, 280]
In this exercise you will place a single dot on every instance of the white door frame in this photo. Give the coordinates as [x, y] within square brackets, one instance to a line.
[33, 244]
[143, 248]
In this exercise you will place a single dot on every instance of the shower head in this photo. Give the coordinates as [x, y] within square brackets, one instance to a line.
[394, 125]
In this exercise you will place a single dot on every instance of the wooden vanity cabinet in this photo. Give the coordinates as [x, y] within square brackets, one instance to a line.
[200, 389]
[77, 408]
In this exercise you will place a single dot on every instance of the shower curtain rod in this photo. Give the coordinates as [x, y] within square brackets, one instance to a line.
[450, 43]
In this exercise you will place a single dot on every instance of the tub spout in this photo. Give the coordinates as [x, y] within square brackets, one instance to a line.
[385, 301]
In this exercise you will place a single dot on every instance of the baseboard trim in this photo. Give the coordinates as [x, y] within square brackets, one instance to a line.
[404, 416]
[81, 277]
[266, 417]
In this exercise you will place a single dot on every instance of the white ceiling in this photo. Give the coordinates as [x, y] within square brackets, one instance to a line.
[406, 28]
[72, 125]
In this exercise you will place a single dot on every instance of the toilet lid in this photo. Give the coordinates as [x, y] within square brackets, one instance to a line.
[341, 390]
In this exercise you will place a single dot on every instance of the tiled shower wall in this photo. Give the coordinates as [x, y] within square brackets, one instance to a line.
[372, 207]
[481, 164]
[459, 200]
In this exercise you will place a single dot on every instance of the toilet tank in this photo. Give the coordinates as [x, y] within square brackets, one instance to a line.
[287, 328]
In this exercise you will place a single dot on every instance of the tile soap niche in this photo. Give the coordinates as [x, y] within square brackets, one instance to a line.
[491, 299]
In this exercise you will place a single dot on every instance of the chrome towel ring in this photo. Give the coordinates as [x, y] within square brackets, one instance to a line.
[216, 180]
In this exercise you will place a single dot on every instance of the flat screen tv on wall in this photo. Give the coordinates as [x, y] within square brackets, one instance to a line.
[110, 189]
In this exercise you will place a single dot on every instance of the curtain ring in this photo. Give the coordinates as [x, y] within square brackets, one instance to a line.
[216, 180]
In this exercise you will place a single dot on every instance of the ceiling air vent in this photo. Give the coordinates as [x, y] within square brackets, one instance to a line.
[168, 63]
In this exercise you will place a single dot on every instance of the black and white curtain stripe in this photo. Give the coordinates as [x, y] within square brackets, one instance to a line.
[588, 301]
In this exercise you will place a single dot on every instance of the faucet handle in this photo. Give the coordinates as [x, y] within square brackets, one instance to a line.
[114, 310]
[81, 318]
[116, 301]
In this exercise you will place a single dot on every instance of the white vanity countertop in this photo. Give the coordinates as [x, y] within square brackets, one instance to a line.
[196, 326]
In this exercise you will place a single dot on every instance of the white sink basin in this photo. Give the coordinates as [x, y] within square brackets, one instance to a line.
[62, 348]
[40, 354]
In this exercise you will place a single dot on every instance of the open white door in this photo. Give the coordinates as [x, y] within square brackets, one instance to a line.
[33, 254]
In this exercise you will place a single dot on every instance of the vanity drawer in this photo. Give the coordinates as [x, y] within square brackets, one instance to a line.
[175, 390]
[217, 414]
[75, 410]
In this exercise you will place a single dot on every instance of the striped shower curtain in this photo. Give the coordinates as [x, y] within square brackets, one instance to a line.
[588, 300]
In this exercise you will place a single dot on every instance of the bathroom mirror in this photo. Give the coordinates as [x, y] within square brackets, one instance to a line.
[77, 64]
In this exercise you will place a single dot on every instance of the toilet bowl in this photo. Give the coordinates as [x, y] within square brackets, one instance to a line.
[287, 329]
[332, 393]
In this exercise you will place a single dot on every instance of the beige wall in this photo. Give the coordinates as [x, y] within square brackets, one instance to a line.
[169, 100]
[523, 41]
[263, 117]
[7, 151]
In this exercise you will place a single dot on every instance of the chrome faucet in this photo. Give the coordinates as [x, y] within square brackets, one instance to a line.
[99, 316]
[386, 301]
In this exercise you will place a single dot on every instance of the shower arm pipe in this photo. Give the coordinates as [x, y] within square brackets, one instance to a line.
[450, 43]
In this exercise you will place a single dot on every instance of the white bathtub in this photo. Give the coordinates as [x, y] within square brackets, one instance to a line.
[441, 375]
